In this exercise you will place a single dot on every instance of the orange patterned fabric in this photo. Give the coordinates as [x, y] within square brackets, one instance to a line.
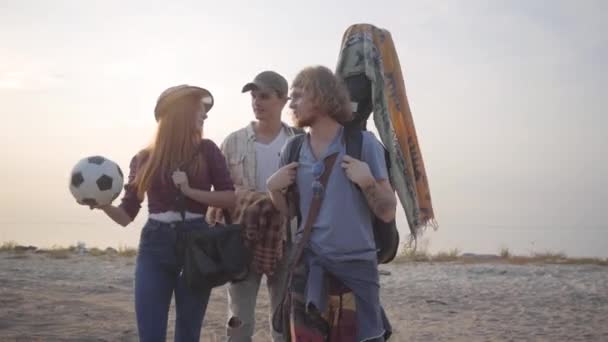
[369, 50]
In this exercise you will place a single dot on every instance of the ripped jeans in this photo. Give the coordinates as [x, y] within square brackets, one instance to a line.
[242, 298]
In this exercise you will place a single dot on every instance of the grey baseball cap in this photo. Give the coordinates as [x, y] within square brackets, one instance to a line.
[268, 80]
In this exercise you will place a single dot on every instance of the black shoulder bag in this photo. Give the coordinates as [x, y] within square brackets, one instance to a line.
[212, 256]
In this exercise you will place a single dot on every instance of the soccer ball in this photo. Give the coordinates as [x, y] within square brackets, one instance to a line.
[96, 181]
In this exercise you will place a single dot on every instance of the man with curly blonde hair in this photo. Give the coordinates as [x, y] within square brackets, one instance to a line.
[334, 287]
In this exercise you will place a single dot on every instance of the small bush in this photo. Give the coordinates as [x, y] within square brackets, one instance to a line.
[8, 246]
[125, 251]
[451, 255]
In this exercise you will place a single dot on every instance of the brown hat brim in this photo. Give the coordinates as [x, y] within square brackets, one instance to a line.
[174, 93]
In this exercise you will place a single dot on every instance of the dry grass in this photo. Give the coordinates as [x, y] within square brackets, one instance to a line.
[554, 258]
[422, 255]
[585, 261]
[413, 255]
[96, 252]
[8, 246]
[451, 255]
[15, 248]
[58, 252]
[128, 252]
[505, 256]
[549, 258]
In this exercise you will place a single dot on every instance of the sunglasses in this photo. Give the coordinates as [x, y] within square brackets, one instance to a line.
[207, 101]
[318, 169]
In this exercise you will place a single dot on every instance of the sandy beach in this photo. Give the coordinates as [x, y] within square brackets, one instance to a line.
[90, 298]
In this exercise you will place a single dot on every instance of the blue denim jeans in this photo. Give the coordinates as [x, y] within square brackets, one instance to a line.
[158, 277]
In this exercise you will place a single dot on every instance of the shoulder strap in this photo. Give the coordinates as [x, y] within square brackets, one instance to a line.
[353, 138]
[293, 147]
[315, 207]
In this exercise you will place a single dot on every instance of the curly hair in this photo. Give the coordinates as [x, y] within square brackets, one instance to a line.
[329, 94]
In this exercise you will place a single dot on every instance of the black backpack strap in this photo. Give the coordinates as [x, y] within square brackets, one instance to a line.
[293, 147]
[353, 138]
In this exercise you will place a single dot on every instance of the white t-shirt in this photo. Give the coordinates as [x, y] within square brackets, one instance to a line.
[268, 157]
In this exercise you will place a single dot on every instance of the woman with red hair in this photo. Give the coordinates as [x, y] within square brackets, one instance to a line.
[178, 160]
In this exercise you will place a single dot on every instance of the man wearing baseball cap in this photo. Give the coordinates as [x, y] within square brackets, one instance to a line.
[253, 155]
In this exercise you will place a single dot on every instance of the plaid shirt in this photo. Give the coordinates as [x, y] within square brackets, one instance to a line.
[239, 150]
[264, 229]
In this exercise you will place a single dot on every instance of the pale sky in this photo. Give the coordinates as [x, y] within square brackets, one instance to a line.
[508, 97]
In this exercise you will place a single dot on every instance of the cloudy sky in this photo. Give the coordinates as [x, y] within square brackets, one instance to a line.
[508, 97]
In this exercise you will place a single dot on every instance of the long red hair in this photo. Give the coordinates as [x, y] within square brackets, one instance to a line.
[178, 137]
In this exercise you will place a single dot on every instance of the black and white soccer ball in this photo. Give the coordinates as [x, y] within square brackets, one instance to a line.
[96, 181]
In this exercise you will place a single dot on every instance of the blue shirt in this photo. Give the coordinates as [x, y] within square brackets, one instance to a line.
[361, 277]
[343, 229]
